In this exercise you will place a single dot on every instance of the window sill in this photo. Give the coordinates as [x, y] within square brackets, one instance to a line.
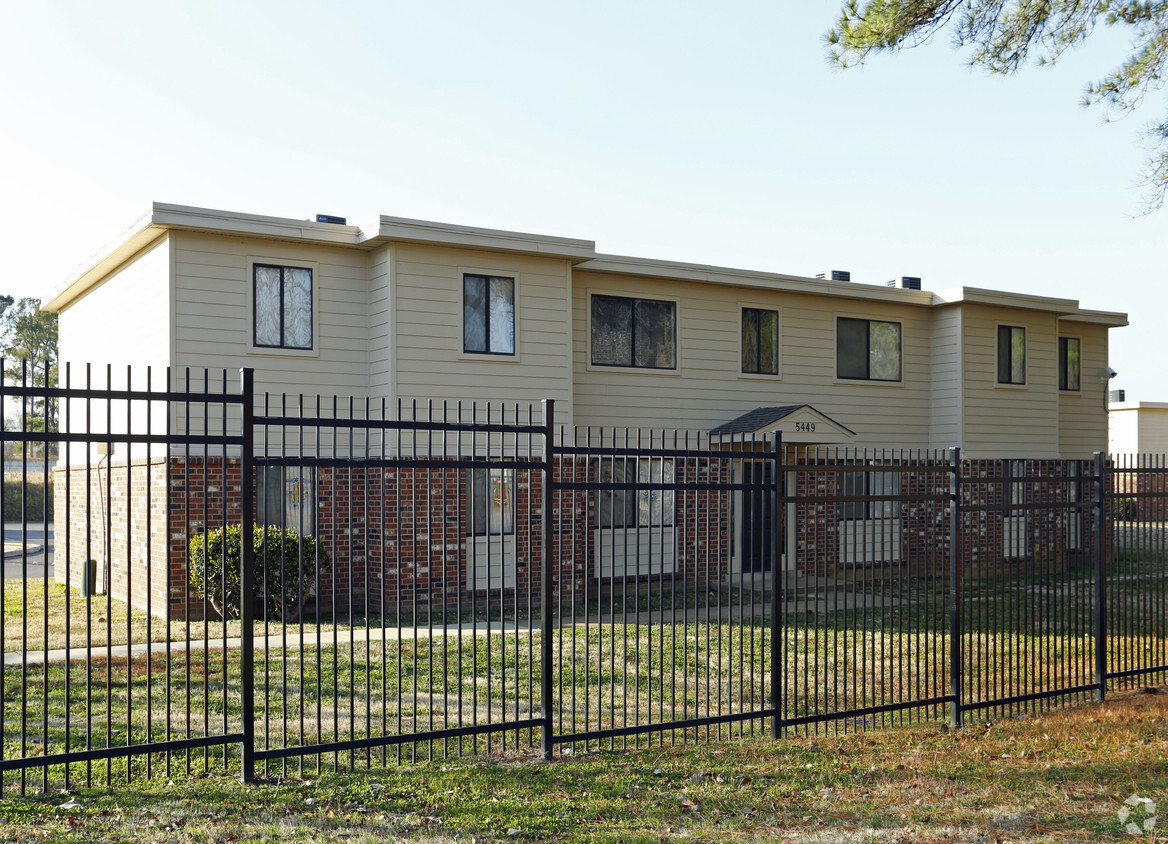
[760, 376]
[487, 357]
[868, 382]
[273, 352]
[998, 385]
[633, 370]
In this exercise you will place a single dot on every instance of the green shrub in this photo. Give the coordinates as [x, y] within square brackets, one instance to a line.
[33, 505]
[1124, 509]
[285, 569]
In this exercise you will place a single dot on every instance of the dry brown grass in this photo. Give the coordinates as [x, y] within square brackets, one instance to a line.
[1053, 777]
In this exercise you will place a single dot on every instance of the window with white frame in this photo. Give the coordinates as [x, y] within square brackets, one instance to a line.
[286, 497]
[867, 349]
[639, 333]
[760, 341]
[857, 484]
[633, 508]
[488, 314]
[1015, 527]
[491, 502]
[1015, 486]
[282, 307]
[1069, 363]
[1011, 354]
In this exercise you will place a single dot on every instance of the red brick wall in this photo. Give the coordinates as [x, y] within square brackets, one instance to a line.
[115, 515]
[400, 534]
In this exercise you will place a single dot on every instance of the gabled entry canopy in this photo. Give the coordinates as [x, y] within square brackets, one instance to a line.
[798, 423]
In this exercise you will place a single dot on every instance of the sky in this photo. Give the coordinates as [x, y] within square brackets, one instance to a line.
[700, 132]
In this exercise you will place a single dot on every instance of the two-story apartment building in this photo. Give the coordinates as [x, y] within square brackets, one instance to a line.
[407, 310]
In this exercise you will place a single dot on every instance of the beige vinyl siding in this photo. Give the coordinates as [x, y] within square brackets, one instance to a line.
[946, 399]
[213, 290]
[1008, 420]
[1153, 430]
[706, 390]
[429, 362]
[122, 321]
[381, 337]
[1082, 415]
[1138, 428]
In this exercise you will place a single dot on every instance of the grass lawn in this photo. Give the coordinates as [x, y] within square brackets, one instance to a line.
[1060, 776]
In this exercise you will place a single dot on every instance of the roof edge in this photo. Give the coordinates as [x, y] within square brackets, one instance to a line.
[709, 274]
[132, 240]
[406, 230]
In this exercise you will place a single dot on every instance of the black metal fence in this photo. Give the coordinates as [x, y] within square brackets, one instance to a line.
[281, 584]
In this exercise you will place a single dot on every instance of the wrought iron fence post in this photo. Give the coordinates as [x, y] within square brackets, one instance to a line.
[546, 580]
[247, 575]
[955, 564]
[778, 577]
[1100, 580]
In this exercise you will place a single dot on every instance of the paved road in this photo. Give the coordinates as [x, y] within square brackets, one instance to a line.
[15, 562]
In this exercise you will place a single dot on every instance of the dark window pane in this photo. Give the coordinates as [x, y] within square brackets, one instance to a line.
[474, 313]
[854, 484]
[653, 334]
[1004, 354]
[768, 342]
[1068, 363]
[617, 506]
[1018, 355]
[286, 497]
[612, 331]
[491, 502]
[760, 341]
[298, 308]
[503, 316]
[267, 306]
[283, 307]
[851, 348]
[749, 340]
[884, 354]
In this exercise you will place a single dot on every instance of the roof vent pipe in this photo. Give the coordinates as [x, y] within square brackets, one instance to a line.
[835, 275]
[907, 282]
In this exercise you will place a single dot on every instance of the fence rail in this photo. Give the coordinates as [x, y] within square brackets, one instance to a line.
[280, 584]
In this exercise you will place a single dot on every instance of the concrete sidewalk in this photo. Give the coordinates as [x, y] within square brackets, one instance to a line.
[15, 549]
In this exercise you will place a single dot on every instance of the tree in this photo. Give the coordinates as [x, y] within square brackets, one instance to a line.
[30, 339]
[1004, 34]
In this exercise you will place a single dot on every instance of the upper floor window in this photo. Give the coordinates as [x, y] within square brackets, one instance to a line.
[634, 332]
[1068, 363]
[283, 307]
[1011, 354]
[488, 314]
[867, 349]
[760, 341]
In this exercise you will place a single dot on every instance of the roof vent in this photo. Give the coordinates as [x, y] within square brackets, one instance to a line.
[835, 275]
[329, 218]
[1114, 396]
[907, 282]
